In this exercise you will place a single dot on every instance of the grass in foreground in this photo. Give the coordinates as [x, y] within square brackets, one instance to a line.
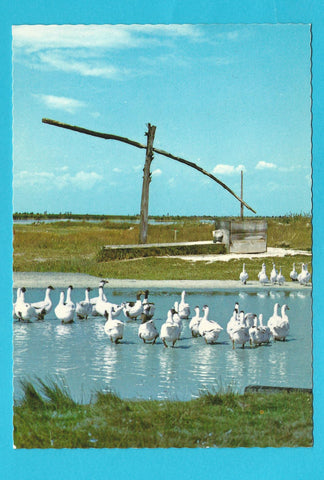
[213, 420]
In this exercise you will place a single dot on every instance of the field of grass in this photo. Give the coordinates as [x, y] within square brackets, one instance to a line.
[75, 247]
[51, 419]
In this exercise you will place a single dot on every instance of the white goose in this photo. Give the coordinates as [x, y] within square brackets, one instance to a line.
[184, 308]
[194, 322]
[234, 320]
[14, 304]
[102, 305]
[275, 317]
[293, 274]
[44, 306]
[262, 275]
[113, 328]
[84, 308]
[65, 311]
[170, 330]
[147, 330]
[244, 275]
[24, 311]
[280, 330]
[148, 307]
[255, 334]
[101, 296]
[304, 276]
[240, 334]
[132, 310]
[176, 317]
[280, 278]
[209, 329]
[273, 274]
[265, 330]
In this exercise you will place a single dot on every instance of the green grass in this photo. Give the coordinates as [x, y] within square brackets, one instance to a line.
[75, 247]
[47, 417]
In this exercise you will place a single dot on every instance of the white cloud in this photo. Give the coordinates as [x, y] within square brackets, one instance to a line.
[265, 165]
[156, 172]
[223, 169]
[49, 180]
[69, 105]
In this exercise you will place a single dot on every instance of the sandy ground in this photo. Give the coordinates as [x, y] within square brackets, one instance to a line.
[79, 280]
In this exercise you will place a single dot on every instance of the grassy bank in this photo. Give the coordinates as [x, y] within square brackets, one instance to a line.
[75, 247]
[53, 420]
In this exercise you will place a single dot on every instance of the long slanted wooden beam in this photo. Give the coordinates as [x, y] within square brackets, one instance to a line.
[108, 136]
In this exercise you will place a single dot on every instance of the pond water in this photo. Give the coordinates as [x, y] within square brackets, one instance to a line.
[81, 353]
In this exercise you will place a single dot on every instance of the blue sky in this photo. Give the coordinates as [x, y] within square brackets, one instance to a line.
[227, 97]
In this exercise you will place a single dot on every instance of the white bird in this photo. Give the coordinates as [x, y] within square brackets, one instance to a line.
[84, 308]
[147, 331]
[255, 333]
[234, 320]
[65, 311]
[101, 296]
[102, 305]
[275, 317]
[304, 276]
[293, 274]
[194, 322]
[265, 330]
[14, 304]
[184, 308]
[170, 330]
[280, 278]
[44, 306]
[250, 319]
[244, 275]
[176, 317]
[148, 307]
[23, 310]
[240, 334]
[209, 329]
[262, 275]
[132, 310]
[113, 328]
[273, 274]
[280, 329]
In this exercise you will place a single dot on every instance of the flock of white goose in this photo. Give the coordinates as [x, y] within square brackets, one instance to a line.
[241, 328]
[277, 277]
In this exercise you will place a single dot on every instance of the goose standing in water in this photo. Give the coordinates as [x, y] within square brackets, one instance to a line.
[194, 322]
[209, 329]
[101, 296]
[113, 328]
[234, 320]
[280, 278]
[240, 334]
[65, 311]
[44, 306]
[147, 330]
[102, 305]
[275, 317]
[24, 311]
[293, 274]
[176, 317]
[170, 330]
[244, 275]
[273, 274]
[184, 308]
[265, 330]
[132, 310]
[84, 308]
[255, 333]
[14, 304]
[262, 275]
[280, 329]
[148, 307]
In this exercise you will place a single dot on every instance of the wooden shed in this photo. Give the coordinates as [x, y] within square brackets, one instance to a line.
[242, 236]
